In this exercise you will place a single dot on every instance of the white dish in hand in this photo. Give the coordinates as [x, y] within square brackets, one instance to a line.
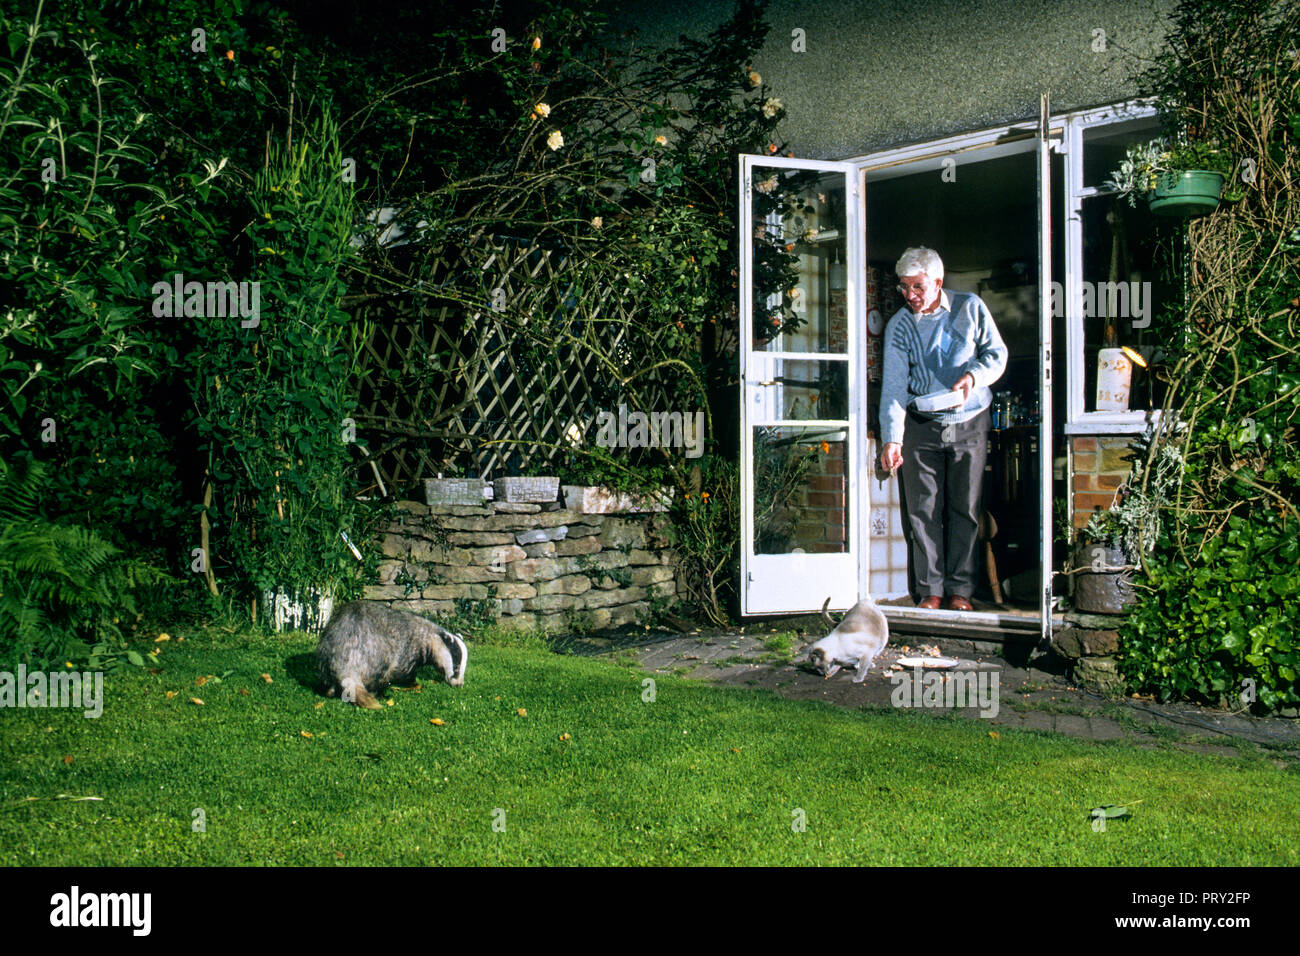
[939, 401]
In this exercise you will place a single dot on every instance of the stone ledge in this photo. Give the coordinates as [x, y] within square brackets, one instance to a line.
[1076, 642]
[463, 511]
[1100, 622]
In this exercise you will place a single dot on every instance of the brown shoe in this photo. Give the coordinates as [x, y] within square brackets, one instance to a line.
[958, 603]
[931, 603]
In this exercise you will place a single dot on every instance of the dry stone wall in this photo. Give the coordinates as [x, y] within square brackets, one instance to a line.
[541, 565]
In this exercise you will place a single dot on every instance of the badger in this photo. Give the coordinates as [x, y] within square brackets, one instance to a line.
[367, 646]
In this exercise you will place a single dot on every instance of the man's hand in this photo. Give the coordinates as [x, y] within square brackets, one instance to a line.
[891, 456]
[964, 385]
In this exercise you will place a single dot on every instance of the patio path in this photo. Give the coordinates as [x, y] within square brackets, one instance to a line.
[1031, 697]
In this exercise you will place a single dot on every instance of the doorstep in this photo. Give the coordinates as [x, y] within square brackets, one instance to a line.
[971, 625]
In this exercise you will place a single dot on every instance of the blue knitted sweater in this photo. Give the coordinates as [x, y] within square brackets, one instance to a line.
[929, 353]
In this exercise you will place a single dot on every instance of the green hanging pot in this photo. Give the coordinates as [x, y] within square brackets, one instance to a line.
[1186, 193]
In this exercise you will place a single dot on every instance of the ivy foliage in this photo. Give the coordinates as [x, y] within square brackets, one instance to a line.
[1221, 618]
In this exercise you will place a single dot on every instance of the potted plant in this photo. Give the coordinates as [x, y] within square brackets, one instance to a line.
[1103, 565]
[1177, 179]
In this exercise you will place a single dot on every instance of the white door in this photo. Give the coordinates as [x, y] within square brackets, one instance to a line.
[1046, 137]
[802, 416]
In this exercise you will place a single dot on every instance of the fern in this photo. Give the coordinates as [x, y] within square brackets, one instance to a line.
[20, 488]
[62, 587]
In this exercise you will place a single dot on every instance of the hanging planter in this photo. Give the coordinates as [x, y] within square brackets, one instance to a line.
[1179, 180]
[1186, 193]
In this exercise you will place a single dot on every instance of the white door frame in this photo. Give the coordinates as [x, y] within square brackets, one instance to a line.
[1060, 133]
[980, 146]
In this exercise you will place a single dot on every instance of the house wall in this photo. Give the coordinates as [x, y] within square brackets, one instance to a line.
[1101, 465]
[875, 75]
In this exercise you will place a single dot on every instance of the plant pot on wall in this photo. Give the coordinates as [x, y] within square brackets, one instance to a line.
[1103, 583]
[1186, 193]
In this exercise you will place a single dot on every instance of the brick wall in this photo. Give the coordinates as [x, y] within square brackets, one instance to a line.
[821, 527]
[1100, 466]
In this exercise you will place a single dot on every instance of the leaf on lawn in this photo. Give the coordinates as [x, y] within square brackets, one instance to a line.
[521, 712]
[306, 733]
[318, 706]
[195, 700]
[170, 694]
[67, 758]
[389, 703]
[1112, 810]
[995, 735]
[245, 691]
[267, 678]
[436, 721]
[200, 681]
[162, 637]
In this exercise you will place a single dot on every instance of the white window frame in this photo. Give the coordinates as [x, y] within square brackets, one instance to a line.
[1079, 421]
[1064, 132]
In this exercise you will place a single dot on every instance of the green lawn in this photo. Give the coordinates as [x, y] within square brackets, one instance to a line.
[698, 775]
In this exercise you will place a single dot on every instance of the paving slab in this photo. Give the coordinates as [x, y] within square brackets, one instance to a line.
[1103, 728]
[1030, 697]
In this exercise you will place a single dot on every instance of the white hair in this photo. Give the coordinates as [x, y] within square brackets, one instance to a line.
[919, 259]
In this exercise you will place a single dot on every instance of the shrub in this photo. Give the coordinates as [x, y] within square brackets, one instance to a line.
[65, 592]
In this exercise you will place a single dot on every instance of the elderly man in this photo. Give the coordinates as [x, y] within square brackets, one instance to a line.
[941, 342]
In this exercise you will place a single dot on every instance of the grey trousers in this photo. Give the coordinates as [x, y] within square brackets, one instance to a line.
[943, 481]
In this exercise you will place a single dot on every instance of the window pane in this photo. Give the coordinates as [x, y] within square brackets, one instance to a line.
[1104, 147]
[799, 260]
[814, 389]
[1126, 254]
[800, 490]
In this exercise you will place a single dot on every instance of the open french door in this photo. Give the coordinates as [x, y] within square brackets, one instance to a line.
[1046, 140]
[803, 429]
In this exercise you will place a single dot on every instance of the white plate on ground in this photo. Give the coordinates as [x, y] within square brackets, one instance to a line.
[928, 662]
[939, 401]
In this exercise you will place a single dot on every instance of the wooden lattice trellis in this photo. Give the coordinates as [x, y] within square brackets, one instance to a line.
[489, 375]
